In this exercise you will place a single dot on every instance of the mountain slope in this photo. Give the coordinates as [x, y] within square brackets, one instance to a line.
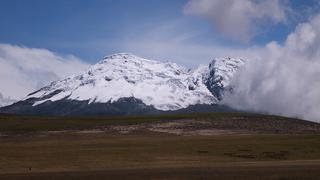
[4, 101]
[124, 83]
[166, 86]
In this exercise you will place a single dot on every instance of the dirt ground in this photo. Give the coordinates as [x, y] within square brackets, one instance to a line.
[159, 155]
[210, 146]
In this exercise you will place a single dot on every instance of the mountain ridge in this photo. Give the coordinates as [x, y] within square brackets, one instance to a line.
[161, 86]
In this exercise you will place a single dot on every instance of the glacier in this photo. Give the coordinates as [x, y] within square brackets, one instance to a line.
[163, 85]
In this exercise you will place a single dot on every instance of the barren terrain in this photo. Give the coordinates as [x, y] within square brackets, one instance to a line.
[198, 146]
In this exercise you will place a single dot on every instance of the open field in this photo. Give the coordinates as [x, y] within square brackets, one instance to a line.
[203, 146]
[243, 122]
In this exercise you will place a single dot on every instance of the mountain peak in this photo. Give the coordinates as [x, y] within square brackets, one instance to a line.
[123, 55]
[226, 61]
[164, 85]
[161, 85]
[125, 59]
[221, 72]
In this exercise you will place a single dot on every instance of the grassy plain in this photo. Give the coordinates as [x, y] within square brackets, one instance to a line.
[86, 148]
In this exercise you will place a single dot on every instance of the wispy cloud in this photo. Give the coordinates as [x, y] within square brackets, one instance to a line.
[23, 69]
[175, 41]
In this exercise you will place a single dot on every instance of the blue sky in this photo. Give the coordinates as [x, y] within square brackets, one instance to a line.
[92, 29]
[46, 40]
[67, 26]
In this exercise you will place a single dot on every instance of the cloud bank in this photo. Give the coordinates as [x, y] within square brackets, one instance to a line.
[23, 70]
[238, 19]
[285, 80]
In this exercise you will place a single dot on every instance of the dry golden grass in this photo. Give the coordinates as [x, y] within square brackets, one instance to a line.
[106, 154]
[29, 149]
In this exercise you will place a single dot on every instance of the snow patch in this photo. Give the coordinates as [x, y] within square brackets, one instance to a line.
[164, 85]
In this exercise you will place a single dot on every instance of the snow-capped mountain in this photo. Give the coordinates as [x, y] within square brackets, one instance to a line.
[123, 77]
[166, 86]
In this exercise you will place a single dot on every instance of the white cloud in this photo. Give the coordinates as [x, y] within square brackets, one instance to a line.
[5, 100]
[238, 19]
[23, 70]
[286, 79]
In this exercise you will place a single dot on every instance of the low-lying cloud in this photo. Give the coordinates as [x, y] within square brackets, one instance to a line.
[23, 69]
[286, 79]
[238, 19]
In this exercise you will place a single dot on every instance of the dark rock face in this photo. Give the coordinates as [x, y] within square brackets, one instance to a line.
[221, 71]
[66, 107]
[215, 86]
